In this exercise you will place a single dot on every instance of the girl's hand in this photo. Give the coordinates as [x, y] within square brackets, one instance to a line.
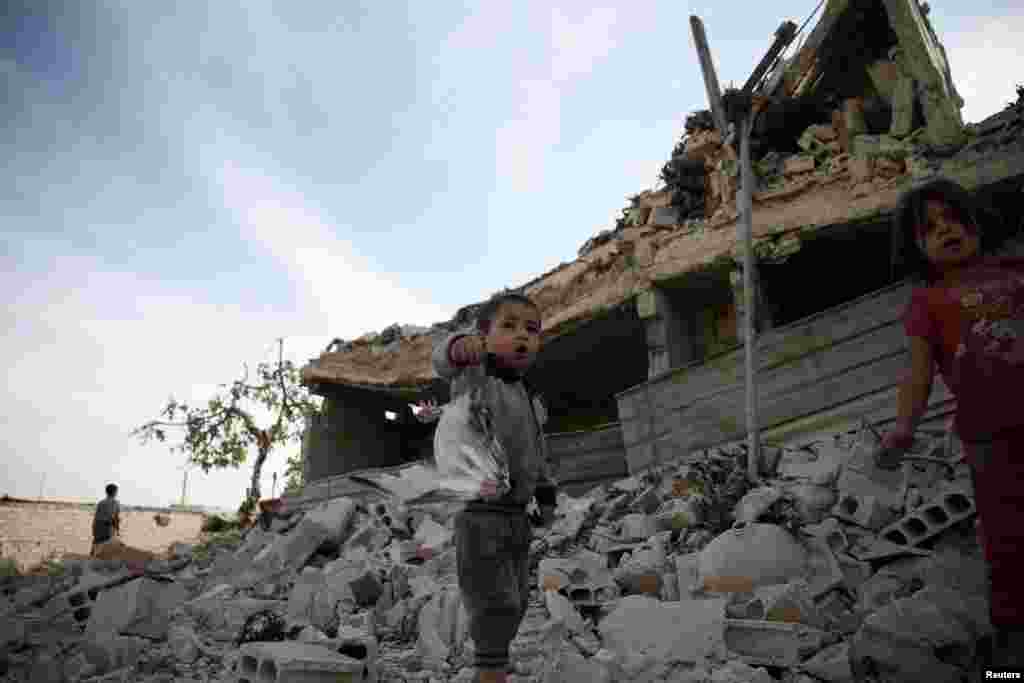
[468, 350]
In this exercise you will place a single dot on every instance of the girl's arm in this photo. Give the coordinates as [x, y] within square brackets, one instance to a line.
[916, 388]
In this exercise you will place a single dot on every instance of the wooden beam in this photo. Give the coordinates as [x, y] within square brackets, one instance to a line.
[707, 66]
[783, 37]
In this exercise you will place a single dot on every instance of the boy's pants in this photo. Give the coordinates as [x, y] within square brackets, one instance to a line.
[998, 473]
[492, 560]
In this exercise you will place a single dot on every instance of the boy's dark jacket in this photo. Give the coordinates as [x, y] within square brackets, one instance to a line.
[519, 419]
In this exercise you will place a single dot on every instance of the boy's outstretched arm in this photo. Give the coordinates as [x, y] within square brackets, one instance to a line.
[441, 357]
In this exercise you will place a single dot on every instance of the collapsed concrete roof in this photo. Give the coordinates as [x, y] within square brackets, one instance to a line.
[852, 170]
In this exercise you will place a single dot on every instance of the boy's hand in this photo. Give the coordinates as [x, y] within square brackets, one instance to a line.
[468, 350]
[489, 489]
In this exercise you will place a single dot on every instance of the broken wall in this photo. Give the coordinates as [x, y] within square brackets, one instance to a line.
[850, 354]
[352, 433]
[30, 531]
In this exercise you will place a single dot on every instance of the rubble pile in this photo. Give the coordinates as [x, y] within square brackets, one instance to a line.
[830, 569]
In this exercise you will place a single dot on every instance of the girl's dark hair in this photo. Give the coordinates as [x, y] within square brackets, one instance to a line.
[111, 489]
[907, 258]
[488, 310]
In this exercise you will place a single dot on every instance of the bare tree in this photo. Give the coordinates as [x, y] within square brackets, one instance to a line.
[220, 434]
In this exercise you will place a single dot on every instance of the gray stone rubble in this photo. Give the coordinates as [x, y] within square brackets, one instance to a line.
[684, 573]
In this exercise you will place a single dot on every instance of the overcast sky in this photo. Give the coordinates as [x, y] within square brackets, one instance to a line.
[184, 182]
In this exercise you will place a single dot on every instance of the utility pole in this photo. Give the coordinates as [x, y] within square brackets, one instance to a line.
[273, 486]
[42, 483]
[184, 484]
[742, 116]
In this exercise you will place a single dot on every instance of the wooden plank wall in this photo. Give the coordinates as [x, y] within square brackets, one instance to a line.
[586, 459]
[852, 355]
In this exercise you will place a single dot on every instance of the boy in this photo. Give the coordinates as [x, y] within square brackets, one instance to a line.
[107, 521]
[493, 533]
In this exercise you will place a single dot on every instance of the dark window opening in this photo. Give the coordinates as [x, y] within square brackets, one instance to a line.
[579, 373]
[834, 266]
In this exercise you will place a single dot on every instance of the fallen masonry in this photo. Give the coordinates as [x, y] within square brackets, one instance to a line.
[766, 588]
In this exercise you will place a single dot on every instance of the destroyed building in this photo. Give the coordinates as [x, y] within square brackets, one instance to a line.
[641, 359]
[831, 569]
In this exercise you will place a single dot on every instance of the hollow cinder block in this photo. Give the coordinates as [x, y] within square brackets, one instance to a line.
[930, 519]
[293, 662]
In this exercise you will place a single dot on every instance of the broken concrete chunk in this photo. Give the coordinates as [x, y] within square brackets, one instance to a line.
[865, 511]
[830, 531]
[641, 626]
[812, 502]
[823, 570]
[756, 503]
[736, 671]
[141, 607]
[636, 527]
[294, 661]
[770, 643]
[184, 644]
[831, 664]
[443, 626]
[560, 609]
[764, 553]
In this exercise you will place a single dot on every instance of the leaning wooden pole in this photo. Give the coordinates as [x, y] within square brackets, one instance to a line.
[746, 211]
[744, 199]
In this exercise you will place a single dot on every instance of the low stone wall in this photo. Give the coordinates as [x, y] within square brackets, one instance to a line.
[30, 530]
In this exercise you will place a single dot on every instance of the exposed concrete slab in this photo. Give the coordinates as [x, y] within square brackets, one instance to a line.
[644, 627]
[141, 607]
[771, 643]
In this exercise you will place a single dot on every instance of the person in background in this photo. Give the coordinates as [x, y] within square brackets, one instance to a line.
[966, 318]
[493, 533]
[107, 522]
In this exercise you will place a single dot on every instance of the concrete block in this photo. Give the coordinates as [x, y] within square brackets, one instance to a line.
[771, 643]
[361, 645]
[141, 607]
[292, 662]
[860, 477]
[865, 511]
[931, 519]
[641, 626]
[764, 553]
